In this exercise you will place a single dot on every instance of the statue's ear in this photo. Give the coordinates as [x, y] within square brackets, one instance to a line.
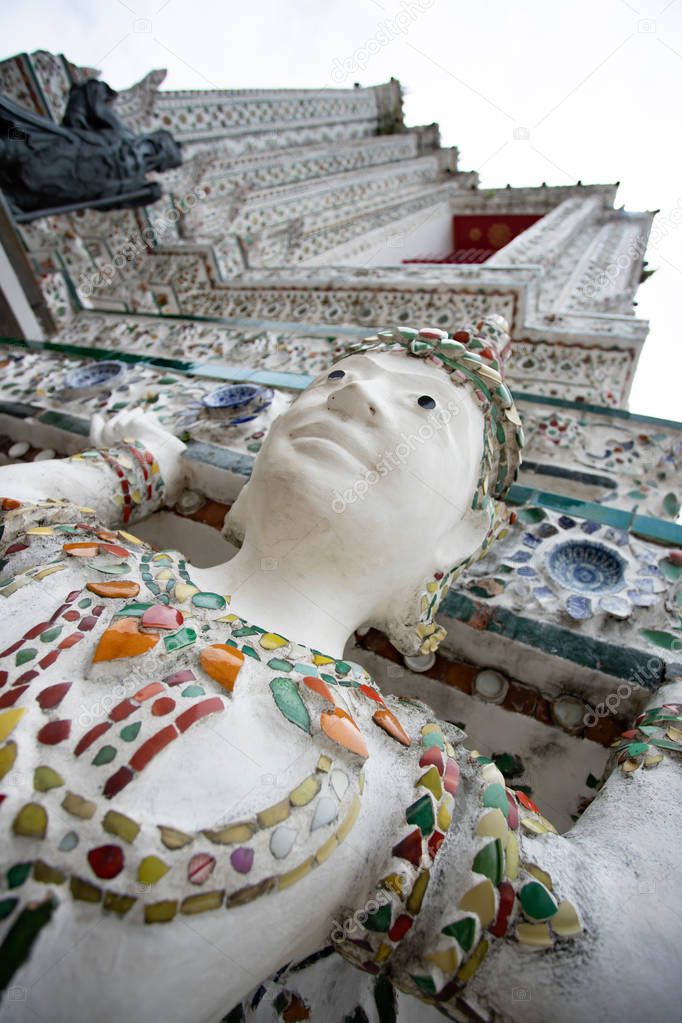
[464, 539]
[234, 526]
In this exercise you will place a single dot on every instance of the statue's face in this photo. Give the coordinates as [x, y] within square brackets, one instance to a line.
[382, 452]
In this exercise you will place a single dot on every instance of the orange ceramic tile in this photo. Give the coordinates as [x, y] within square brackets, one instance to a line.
[222, 663]
[117, 588]
[319, 687]
[81, 550]
[388, 721]
[340, 727]
[123, 639]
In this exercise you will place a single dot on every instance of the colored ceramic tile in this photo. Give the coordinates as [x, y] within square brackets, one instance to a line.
[45, 778]
[107, 861]
[305, 792]
[123, 827]
[242, 859]
[161, 616]
[481, 900]
[200, 868]
[223, 663]
[536, 901]
[386, 720]
[340, 728]
[31, 821]
[421, 813]
[151, 870]
[179, 640]
[123, 639]
[288, 700]
[209, 601]
[326, 811]
[489, 861]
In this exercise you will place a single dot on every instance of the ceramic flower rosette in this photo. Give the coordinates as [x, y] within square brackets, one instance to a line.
[473, 357]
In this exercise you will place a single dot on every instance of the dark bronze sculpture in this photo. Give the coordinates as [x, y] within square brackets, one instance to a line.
[90, 160]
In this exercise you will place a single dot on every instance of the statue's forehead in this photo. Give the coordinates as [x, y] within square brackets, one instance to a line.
[398, 363]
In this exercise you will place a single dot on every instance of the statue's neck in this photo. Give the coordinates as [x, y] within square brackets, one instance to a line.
[295, 600]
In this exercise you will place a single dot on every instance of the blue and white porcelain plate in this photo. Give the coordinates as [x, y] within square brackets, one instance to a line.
[95, 374]
[586, 567]
[238, 403]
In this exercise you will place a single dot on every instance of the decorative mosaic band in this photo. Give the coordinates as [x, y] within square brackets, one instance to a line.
[141, 484]
[657, 730]
[508, 896]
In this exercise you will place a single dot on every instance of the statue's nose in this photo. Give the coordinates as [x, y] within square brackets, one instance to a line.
[353, 400]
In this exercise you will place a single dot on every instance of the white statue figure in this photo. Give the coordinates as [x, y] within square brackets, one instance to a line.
[197, 789]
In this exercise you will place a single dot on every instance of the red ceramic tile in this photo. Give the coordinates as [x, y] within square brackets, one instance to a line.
[154, 744]
[12, 649]
[179, 677]
[71, 615]
[523, 799]
[16, 547]
[71, 640]
[371, 694]
[35, 631]
[54, 732]
[499, 928]
[432, 757]
[435, 842]
[153, 689]
[117, 782]
[115, 549]
[106, 861]
[164, 705]
[88, 623]
[91, 735]
[122, 710]
[53, 695]
[400, 927]
[27, 677]
[410, 848]
[200, 710]
[49, 659]
[11, 696]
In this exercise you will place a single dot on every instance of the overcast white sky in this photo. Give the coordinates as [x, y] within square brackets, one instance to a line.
[596, 83]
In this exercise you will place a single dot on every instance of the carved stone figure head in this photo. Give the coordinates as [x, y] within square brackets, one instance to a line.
[388, 469]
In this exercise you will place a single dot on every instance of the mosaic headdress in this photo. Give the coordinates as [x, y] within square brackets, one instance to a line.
[473, 357]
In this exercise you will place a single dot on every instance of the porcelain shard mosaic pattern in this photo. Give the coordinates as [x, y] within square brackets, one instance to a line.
[509, 897]
[193, 650]
[562, 569]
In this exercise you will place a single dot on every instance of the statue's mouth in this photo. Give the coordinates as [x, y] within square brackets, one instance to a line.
[329, 436]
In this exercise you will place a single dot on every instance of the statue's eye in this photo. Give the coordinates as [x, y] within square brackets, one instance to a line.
[336, 374]
[426, 401]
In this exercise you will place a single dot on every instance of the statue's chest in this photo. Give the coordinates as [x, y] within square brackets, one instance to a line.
[165, 757]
